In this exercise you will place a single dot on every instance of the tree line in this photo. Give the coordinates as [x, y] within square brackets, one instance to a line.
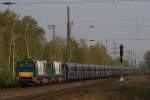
[22, 37]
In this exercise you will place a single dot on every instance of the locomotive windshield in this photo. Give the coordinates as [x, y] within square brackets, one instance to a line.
[22, 64]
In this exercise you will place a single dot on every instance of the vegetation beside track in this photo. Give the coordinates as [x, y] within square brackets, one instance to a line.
[8, 84]
[6, 81]
[133, 88]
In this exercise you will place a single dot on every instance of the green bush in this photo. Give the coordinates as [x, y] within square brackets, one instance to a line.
[6, 81]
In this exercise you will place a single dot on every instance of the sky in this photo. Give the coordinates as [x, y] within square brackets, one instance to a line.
[125, 22]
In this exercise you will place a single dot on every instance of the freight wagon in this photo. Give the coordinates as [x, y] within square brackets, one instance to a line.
[31, 72]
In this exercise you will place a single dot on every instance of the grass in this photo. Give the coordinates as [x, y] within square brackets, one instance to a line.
[7, 83]
[134, 88]
[117, 94]
[6, 79]
[129, 91]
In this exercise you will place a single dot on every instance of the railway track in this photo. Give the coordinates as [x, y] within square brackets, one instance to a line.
[50, 91]
[53, 95]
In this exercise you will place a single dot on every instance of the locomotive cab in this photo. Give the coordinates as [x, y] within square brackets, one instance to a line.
[25, 71]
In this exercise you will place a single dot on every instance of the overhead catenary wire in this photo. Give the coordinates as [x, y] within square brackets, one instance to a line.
[70, 2]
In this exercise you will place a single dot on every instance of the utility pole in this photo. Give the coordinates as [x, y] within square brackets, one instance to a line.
[68, 34]
[113, 2]
[53, 27]
[114, 48]
[106, 41]
[136, 24]
[130, 58]
[68, 25]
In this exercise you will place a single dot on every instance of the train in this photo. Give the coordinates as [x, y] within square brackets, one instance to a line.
[37, 72]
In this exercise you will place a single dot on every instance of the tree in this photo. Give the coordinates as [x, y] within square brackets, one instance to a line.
[33, 36]
[57, 53]
[19, 38]
[147, 56]
[146, 65]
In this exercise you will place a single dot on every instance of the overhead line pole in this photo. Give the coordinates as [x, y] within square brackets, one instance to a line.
[68, 33]
[136, 33]
[68, 26]
[53, 27]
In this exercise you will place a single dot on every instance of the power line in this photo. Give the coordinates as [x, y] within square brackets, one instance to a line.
[124, 39]
[115, 19]
[71, 2]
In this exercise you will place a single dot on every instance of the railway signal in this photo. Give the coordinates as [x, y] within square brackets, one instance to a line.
[121, 53]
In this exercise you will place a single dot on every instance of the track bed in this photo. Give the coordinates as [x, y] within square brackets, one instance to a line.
[50, 91]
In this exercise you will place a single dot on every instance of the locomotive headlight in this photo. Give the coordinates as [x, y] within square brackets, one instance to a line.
[26, 74]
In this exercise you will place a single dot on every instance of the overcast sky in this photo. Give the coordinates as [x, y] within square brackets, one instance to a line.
[119, 20]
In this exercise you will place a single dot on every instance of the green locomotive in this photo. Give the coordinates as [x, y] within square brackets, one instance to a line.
[30, 71]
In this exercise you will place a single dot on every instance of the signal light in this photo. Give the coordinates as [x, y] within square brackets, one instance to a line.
[121, 53]
[121, 50]
[17, 78]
